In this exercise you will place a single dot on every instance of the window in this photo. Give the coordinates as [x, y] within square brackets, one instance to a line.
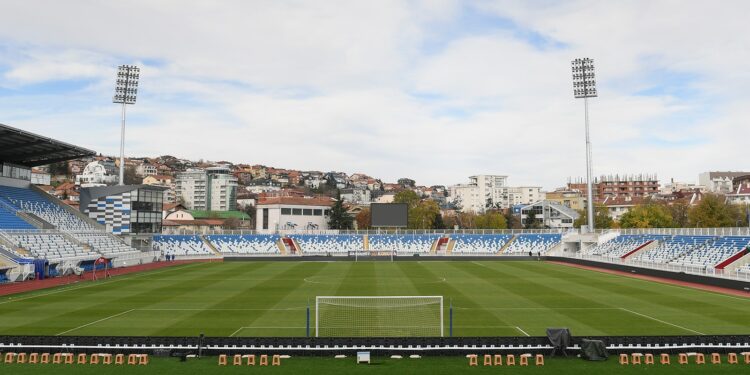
[307, 212]
[286, 211]
[296, 211]
[265, 218]
[318, 212]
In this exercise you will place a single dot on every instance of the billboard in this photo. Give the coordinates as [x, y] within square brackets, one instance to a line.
[389, 215]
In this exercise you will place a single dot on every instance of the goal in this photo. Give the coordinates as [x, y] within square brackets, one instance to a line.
[389, 316]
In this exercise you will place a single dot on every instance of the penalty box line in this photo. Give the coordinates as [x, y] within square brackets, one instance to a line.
[661, 321]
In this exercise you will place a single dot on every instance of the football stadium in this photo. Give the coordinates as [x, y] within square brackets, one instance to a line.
[78, 299]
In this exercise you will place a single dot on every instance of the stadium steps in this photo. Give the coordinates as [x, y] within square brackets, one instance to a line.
[507, 245]
[735, 261]
[451, 246]
[645, 247]
[439, 244]
[366, 242]
[211, 246]
[281, 246]
[291, 245]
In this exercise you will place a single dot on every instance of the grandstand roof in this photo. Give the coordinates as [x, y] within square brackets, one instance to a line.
[21, 147]
[200, 214]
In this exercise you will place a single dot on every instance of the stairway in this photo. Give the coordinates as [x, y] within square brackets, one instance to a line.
[211, 246]
[439, 245]
[291, 245]
[366, 242]
[507, 245]
[449, 248]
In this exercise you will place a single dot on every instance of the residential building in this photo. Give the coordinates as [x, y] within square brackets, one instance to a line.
[146, 169]
[719, 182]
[482, 192]
[525, 194]
[616, 207]
[165, 181]
[741, 192]
[212, 189]
[619, 186]
[95, 174]
[289, 213]
[569, 198]
[356, 196]
[549, 214]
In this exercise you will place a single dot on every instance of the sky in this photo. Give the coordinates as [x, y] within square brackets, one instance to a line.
[432, 90]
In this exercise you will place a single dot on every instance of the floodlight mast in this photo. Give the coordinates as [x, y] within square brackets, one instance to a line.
[126, 91]
[584, 86]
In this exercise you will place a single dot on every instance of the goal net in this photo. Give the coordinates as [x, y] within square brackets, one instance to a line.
[392, 316]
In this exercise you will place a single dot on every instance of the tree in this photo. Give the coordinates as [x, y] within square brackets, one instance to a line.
[679, 212]
[601, 218]
[339, 218]
[531, 221]
[424, 215]
[407, 196]
[364, 221]
[649, 215]
[130, 177]
[406, 183]
[713, 211]
[58, 169]
[231, 223]
[491, 220]
[511, 220]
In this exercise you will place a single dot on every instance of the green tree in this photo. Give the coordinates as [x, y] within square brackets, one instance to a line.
[531, 221]
[491, 220]
[601, 218]
[407, 196]
[339, 218]
[649, 215]
[713, 211]
[130, 176]
[423, 215]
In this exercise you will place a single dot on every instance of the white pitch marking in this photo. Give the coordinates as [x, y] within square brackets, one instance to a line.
[263, 327]
[200, 309]
[661, 321]
[536, 308]
[88, 285]
[522, 331]
[94, 322]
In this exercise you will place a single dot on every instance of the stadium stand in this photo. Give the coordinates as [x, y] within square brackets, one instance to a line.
[479, 243]
[105, 244]
[744, 269]
[245, 244]
[534, 243]
[671, 248]
[413, 243]
[51, 246]
[181, 245]
[329, 243]
[623, 244]
[9, 220]
[34, 202]
[713, 251]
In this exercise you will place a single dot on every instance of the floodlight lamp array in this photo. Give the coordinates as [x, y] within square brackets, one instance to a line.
[126, 88]
[584, 80]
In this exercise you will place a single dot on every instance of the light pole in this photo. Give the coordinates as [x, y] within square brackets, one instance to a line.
[126, 91]
[584, 86]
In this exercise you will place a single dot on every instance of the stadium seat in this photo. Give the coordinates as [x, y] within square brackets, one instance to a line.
[403, 244]
[181, 245]
[329, 243]
[43, 207]
[246, 244]
[533, 243]
[479, 243]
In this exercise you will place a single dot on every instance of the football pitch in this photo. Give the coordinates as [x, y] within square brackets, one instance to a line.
[489, 298]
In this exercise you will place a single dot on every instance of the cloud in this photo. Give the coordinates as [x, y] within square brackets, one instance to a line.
[436, 91]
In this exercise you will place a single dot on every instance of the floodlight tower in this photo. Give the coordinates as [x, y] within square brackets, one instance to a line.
[584, 86]
[126, 91]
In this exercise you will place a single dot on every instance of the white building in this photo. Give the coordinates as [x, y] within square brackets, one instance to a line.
[214, 189]
[549, 214]
[356, 196]
[290, 213]
[526, 195]
[95, 174]
[481, 191]
[719, 182]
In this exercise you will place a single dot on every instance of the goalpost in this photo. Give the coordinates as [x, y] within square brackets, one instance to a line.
[386, 316]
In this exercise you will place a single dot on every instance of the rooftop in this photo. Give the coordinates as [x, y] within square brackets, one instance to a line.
[21, 147]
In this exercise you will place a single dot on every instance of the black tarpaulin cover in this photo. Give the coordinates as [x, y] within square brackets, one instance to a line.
[559, 338]
[593, 350]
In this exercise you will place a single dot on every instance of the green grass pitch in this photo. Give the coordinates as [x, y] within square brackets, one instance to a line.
[490, 298]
